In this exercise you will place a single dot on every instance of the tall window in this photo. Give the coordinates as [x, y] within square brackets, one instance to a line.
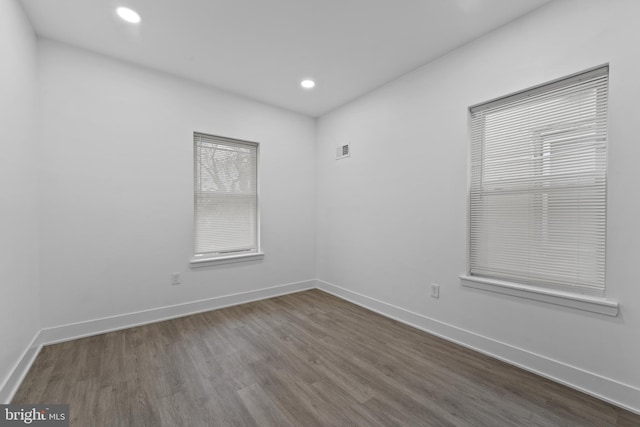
[538, 185]
[225, 196]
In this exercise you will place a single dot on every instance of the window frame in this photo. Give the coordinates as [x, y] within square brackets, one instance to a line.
[205, 259]
[560, 295]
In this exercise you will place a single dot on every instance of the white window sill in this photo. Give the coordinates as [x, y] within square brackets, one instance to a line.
[567, 299]
[226, 259]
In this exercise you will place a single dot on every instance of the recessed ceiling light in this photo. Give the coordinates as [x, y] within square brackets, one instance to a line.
[128, 15]
[307, 84]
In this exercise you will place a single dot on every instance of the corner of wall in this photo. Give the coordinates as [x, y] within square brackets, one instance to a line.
[19, 318]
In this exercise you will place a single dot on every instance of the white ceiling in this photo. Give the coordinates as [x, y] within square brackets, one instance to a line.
[263, 48]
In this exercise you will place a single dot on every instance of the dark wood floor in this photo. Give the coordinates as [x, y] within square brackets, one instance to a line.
[307, 359]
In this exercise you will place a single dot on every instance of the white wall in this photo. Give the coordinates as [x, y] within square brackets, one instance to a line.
[392, 218]
[117, 192]
[19, 299]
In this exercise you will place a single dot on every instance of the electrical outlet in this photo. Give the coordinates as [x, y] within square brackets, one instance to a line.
[175, 278]
[435, 290]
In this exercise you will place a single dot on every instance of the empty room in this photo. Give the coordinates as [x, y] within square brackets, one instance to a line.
[319, 213]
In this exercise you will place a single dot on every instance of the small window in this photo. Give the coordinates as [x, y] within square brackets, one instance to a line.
[225, 197]
[538, 185]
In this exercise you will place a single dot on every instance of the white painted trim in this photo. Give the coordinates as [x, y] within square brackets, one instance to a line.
[107, 324]
[615, 392]
[10, 386]
[123, 321]
[227, 259]
[551, 296]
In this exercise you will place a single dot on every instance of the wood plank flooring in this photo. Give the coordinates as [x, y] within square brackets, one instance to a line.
[306, 359]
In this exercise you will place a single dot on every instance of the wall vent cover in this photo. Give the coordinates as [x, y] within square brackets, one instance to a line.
[342, 151]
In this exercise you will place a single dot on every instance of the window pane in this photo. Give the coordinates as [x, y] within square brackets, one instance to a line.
[538, 185]
[225, 199]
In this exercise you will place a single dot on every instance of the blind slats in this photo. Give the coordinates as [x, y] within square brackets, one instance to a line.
[225, 195]
[538, 185]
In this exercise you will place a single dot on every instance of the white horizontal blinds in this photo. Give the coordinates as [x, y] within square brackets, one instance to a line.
[226, 198]
[538, 185]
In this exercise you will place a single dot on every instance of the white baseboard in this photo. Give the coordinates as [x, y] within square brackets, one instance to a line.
[623, 395]
[609, 390]
[87, 328]
[19, 371]
[107, 324]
